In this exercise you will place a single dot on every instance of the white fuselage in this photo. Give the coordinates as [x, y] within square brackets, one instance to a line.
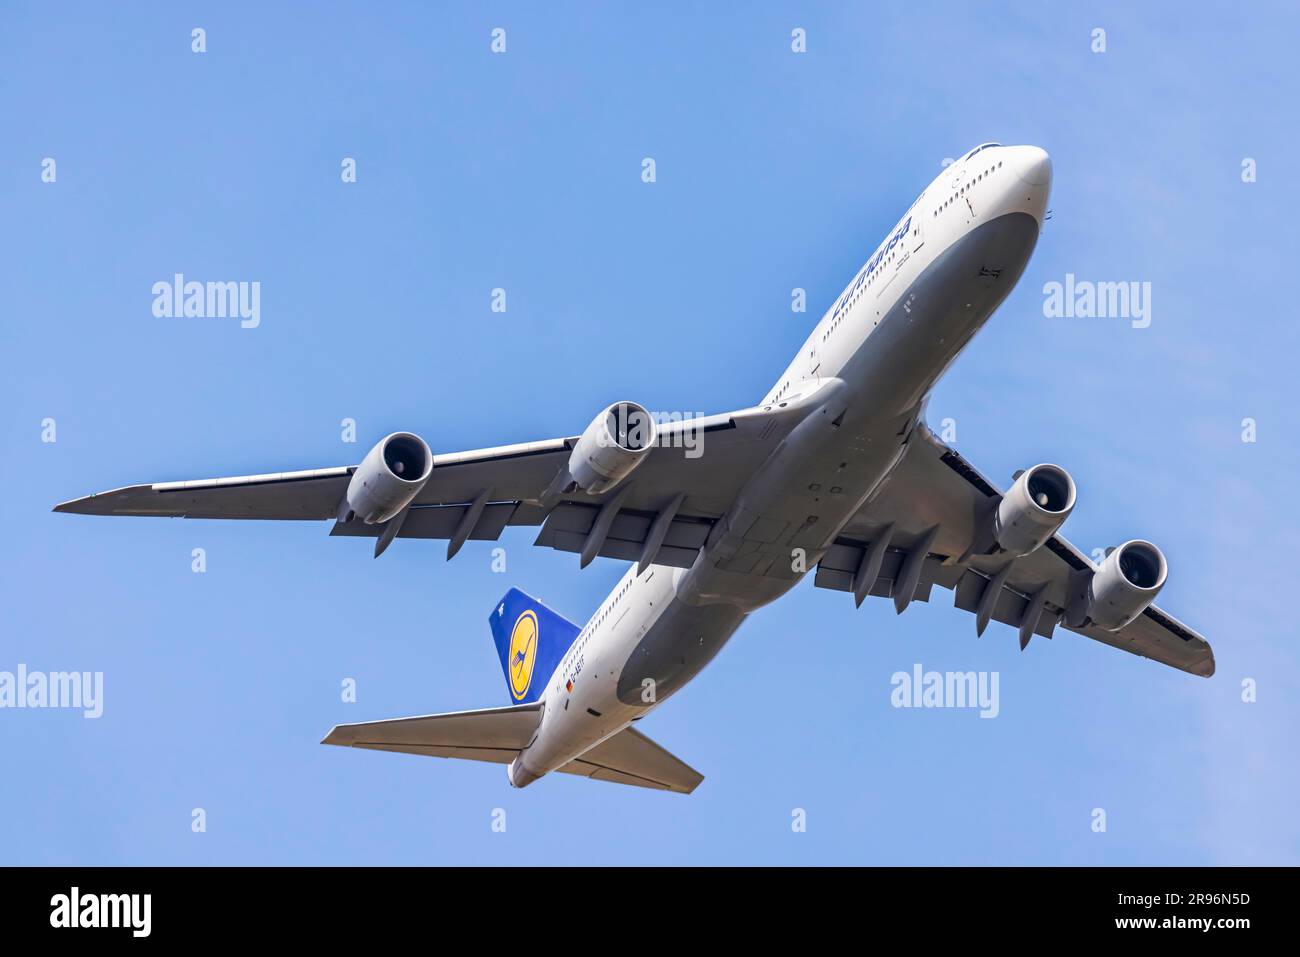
[923, 293]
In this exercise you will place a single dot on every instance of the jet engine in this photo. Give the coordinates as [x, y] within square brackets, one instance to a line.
[389, 477]
[615, 443]
[1125, 584]
[1037, 504]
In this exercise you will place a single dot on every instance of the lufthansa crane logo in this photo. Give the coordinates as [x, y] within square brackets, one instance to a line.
[523, 654]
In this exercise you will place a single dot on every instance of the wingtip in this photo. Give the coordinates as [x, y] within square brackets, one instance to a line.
[96, 503]
[337, 736]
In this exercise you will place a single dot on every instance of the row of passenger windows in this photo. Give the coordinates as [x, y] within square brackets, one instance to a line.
[589, 630]
[601, 616]
[962, 192]
[876, 274]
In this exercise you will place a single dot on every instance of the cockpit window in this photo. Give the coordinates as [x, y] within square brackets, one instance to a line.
[982, 146]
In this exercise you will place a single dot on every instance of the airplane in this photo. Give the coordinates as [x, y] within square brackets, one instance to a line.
[834, 472]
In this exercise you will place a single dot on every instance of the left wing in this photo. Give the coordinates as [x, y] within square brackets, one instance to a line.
[925, 519]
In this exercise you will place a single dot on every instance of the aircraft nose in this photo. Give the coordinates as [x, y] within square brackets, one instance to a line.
[1035, 166]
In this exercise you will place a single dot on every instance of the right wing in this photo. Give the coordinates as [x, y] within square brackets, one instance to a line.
[477, 494]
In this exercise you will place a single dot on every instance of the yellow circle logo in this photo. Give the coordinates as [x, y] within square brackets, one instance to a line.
[523, 654]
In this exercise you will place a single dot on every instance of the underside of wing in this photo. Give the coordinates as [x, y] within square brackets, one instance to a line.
[930, 525]
[313, 494]
[659, 510]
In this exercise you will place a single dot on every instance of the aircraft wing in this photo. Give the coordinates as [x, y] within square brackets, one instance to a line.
[936, 500]
[477, 494]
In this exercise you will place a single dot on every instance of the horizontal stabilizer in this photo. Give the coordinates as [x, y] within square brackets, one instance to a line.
[498, 735]
[494, 734]
[629, 757]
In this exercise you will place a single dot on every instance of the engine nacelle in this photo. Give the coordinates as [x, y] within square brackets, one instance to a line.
[615, 443]
[1036, 505]
[389, 477]
[1125, 584]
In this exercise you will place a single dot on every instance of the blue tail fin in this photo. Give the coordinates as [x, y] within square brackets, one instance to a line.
[531, 639]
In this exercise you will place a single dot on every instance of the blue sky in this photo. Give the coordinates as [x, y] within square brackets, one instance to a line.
[522, 171]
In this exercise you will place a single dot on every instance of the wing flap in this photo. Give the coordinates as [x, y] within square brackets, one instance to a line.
[438, 521]
[836, 570]
[569, 523]
[1011, 604]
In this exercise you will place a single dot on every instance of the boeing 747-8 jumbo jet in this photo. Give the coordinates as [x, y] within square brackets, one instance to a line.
[833, 471]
